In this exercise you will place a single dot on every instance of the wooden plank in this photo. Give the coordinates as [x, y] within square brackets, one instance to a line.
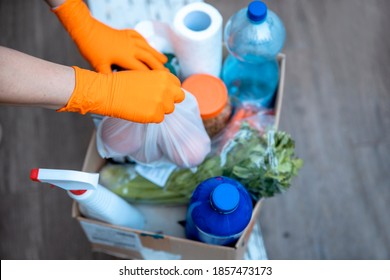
[336, 105]
[35, 220]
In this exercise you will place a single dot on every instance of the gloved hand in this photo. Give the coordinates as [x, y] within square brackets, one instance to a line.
[138, 96]
[104, 46]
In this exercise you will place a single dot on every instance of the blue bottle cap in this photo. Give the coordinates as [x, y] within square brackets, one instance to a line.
[257, 11]
[225, 198]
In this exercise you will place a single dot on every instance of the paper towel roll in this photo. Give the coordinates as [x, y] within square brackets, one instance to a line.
[197, 39]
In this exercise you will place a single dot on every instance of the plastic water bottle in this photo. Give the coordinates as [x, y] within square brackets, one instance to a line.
[253, 36]
[219, 211]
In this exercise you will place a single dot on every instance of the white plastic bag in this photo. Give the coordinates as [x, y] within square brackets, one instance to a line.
[180, 139]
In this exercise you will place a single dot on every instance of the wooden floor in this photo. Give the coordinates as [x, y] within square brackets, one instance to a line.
[336, 106]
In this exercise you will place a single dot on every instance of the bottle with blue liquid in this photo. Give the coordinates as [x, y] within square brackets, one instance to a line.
[253, 36]
[219, 211]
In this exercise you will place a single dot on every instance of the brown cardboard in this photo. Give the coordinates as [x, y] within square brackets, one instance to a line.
[164, 239]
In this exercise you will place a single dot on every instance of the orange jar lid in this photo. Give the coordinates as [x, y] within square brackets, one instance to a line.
[209, 91]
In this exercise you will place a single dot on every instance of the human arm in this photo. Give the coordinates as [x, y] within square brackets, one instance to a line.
[139, 96]
[103, 46]
[27, 80]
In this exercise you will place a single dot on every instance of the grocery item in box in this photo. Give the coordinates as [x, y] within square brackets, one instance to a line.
[95, 201]
[254, 36]
[180, 139]
[212, 97]
[219, 211]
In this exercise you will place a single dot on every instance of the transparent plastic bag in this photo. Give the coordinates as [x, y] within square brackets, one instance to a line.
[180, 139]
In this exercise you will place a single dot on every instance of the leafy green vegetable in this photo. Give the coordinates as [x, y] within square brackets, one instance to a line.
[265, 165]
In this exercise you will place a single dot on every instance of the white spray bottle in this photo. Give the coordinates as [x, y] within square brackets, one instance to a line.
[95, 201]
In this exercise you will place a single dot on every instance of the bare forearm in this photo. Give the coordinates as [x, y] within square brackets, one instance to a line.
[26, 80]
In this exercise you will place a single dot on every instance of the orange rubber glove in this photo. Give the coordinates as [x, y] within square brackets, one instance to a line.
[103, 46]
[138, 96]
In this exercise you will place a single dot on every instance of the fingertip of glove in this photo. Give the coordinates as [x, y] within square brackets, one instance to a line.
[175, 80]
[169, 108]
[160, 67]
[158, 119]
[180, 96]
[135, 33]
[104, 69]
[163, 58]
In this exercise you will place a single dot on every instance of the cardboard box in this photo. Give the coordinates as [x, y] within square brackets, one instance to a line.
[163, 236]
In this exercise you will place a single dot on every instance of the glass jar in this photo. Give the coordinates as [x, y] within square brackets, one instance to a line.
[212, 96]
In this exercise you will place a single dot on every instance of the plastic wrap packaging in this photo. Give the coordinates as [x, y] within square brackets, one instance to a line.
[180, 139]
[248, 150]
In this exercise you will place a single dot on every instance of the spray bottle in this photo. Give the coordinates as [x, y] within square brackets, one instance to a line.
[95, 201]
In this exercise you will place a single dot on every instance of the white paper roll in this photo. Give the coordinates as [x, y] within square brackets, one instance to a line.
[197, 39]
